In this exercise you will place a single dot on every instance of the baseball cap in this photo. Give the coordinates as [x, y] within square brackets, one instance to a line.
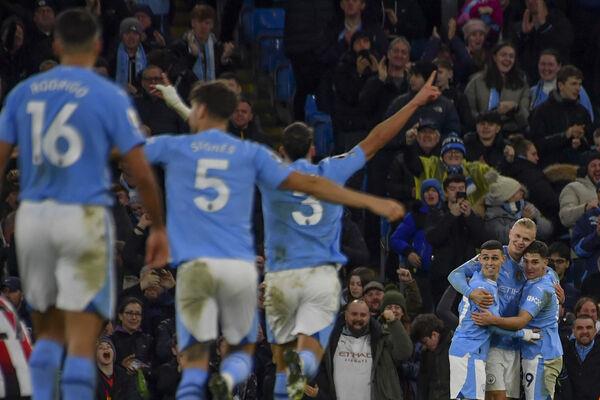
[130, 24]
[44, 3]
[427, 123]
[12, 283]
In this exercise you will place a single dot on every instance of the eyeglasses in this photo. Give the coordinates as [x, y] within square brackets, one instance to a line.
[152, 78]
[132, 314]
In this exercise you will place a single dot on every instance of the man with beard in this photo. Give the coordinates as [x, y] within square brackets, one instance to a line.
[359, 362]
[373, 295]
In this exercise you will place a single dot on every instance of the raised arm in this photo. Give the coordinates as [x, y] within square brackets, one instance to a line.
[386, 130]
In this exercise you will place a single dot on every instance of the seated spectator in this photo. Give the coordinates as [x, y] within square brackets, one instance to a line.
[357, 279]
[560, 261]
[486, 143]
[450, 162]
[526, 170]
[580, 196]
[548, 67]
[561, 128]
[505, 204]
[373, 375]
[502, 88]
[152, 38]
[243, 124]
[581, 373]
[130, 59]
[153, 111]
[434, 372]
[542, 28]
[444, 79]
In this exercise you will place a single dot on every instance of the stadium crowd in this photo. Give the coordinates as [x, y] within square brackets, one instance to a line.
[515, 134]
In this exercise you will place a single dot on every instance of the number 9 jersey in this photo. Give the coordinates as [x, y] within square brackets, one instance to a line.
[65, 123]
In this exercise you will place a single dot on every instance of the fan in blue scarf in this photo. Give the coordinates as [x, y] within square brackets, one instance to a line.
[204, 67]
[122, 73]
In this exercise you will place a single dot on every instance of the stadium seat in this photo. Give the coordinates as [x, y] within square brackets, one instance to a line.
[322, 126]
[285, 84]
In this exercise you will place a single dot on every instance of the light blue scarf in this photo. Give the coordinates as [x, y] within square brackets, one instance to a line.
[204, 69]
[494, 100]
[122, 73]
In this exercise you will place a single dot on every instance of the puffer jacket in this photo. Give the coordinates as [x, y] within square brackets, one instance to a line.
[573, 199]
[498, 222]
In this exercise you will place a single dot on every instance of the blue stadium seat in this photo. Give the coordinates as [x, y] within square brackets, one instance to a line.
[285, 84]
[322, 125]
[270, 53]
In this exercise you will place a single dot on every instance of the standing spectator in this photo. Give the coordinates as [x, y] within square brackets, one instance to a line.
[357, 280]
[444, 79]
[373, 296]
[161, 10]
[561, 128]
[360, 360]
[486, 143]
[130, 58]
[403, 18]
[585, 239]
[542, 28]
[580, 196]
[501, 87]
[113, 380]
[243, 123]
[581, 362]
[152, 38]
[434, 372]
[13, 53]
[40, 39]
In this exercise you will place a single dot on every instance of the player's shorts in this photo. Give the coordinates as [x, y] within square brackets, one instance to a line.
[539, 377]
[212, 292]
[65, 254]
[502, 371]
[304, 300]
[467, 377]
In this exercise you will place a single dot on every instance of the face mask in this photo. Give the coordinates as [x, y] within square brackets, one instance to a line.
[514, 207]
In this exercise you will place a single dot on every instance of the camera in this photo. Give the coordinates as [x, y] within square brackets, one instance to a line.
[461, 195]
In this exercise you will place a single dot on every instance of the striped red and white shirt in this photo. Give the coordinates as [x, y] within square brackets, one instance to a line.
[15, 349]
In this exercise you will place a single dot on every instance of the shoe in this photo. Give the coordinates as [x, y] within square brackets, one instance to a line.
[218, 388]
[295, 379]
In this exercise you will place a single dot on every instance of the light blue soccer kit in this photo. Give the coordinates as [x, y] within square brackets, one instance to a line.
[542, 360]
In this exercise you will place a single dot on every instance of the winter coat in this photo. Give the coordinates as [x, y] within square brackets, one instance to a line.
[478, 94]
[573, 199]
[434, 373]
[409, 237]
[579, 380]
[376, 96]
[585, 241]
[476, 151]
[498, 222]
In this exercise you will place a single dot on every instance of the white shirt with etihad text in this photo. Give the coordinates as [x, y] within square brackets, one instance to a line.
[352, 368]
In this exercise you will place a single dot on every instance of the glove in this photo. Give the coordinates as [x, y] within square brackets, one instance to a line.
[529, 335]
[172, 100]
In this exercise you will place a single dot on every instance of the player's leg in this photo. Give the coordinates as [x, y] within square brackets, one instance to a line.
[196, 326]
[495, 370]
[280, 387]
[512, 374]
[467, 377]
[533, 378]
[552, 369]
[237, 298]
[47, 355]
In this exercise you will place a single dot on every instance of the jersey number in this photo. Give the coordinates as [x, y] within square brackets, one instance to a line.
[59, 129]
[529, 378]
[317, 211]
[204, 182]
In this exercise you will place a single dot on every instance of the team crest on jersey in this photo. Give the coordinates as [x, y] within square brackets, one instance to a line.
[490, 379]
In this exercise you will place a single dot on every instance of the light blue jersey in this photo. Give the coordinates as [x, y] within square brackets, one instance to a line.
[540, 301]
[301, 231]
[210, 179]
[65, 122]
[468, 336]
[510, 283]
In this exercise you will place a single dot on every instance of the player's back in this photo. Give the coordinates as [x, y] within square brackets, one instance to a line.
[65, 122]
[210, 180]
[470, 337]
[301, 231]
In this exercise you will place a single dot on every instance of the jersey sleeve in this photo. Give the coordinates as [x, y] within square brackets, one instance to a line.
[8, 127]
[533, 300]
[271, 171]
[123, 123]
[156, 149]
[341, 167]
[458, 277]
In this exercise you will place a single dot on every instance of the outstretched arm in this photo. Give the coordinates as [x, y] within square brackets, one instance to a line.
[485, 318]
[171, 98]
[386, 130]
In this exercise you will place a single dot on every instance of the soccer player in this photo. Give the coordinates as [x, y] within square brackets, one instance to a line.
[502, 367]
[539, 307]
[210, 180]
[302, 249]
[65, 123]
[470, 344]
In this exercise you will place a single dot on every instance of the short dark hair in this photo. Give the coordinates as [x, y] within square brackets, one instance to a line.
[537, 247]
[568, 71]
[424, 325]
[521, 146]
[365, 274]
[582, 301]
[551, 52]
[584, 316]
[454, 178]
[492, 245]
[297, 139]
[220, 101]
[561, 248]
[77, 29]
[130, 300]
[202, 12]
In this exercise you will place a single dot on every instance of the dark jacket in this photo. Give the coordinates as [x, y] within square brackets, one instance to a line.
[585, 241]
[409, 236]
[549, 123]
[389, 346]
[376, 96]
[251, 132]
[579, 380]
[121, 386]
[434, 374]
[306, 23]
[157, 116]
[476, 151]
[411, 20]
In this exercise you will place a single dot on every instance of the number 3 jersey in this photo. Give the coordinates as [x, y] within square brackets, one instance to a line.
[210, 180]
[301, 231]
[65, 123]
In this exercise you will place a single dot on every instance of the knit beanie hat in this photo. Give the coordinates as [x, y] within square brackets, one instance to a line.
[373, 285]
[501, 188]
[393, 296]
[106, 339]
[474, 25]
[432, 183]
[453, 142]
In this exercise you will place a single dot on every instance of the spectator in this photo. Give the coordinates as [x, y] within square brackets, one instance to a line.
[357, 279]
[581, 362]
[542, 28]
[373, 296]
[434, 372]
[13, 53]
[585, 240]
[160, 10]
[169, 373]
[153, 111]
[379, 350]
[489, 11]
[403, 18]
[394, 301]
[40, 39]
[560, 261]
[486, 143]
[152, 38]
[501, 87]
[505, 204]
[561, 128]
[548, 67]
[444, 79]
[580, 196]
[243, 124]
[12, 291]
[232, 82]
[410, 290]
[113, 380]
[130, 58]
[588, 306]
